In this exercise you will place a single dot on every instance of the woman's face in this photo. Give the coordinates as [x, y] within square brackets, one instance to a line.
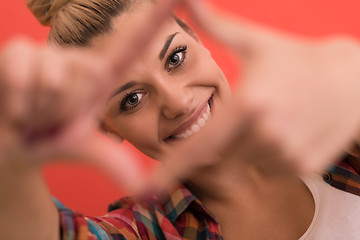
[169, 93]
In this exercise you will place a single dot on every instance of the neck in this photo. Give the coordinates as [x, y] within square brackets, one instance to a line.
[234, 179]
[245, 196]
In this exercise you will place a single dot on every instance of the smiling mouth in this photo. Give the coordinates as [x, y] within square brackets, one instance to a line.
[196, 126]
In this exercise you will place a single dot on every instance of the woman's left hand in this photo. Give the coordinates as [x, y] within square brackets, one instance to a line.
[297, 97]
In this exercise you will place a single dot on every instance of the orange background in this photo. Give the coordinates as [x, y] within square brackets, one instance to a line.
[88, 191]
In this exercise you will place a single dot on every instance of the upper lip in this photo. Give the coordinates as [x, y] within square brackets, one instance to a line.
[191, 120]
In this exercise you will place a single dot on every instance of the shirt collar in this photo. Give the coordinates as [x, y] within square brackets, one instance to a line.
[181, 199]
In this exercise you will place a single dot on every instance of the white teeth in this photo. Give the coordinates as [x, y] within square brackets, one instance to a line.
[195, 128]
[207, 113]
[201, 122]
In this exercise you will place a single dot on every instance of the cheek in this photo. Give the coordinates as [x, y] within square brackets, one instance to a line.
[140, 130]
[208, 72]
[136, 129]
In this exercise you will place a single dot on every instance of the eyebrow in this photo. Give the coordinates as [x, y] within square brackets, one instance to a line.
[122, 88]
[167, 44]
[163, 52]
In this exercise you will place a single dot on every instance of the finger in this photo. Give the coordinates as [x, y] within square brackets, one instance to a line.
[328, 150]
[66, 85]
[49, 77]
[80, 142]
[121, 56]
[118, 57]
[241, 35]
[16, 76]
[114, 160]
[191, 157]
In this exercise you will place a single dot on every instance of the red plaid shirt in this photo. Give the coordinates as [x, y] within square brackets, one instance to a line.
[346, 174]
[182, 217]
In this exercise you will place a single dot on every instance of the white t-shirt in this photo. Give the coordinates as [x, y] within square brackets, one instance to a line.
[337, 213]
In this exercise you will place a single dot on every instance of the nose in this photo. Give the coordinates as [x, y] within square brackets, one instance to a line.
[176, 102]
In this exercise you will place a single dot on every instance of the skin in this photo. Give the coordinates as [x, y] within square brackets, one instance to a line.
[169, 94]
[166, 99]
[279, 69]
[169, 98]
[64, 91]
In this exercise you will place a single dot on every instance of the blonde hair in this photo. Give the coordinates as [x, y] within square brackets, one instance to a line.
[76, 22]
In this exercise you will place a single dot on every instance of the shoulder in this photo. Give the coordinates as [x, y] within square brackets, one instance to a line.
[345, 175]
[337, 213]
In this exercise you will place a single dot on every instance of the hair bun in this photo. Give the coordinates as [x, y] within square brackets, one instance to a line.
[45, 10]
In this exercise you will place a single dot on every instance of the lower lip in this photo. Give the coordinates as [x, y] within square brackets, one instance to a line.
[211, 104]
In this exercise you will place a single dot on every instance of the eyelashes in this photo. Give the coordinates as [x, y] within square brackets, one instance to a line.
[131, 100]
[175, 60]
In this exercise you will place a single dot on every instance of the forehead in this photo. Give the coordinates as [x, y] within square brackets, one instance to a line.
[135, 19]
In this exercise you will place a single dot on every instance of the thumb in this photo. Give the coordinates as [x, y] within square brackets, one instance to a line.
[115, 160]
[239, 34]
[201, 152]
[138, 38]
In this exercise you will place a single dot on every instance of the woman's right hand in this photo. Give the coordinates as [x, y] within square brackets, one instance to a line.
[50, 101]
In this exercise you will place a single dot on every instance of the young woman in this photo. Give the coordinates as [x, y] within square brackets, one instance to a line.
[169, 93]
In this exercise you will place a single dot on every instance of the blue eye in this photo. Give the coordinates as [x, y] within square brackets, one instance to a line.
[176, 59]
[131, 100]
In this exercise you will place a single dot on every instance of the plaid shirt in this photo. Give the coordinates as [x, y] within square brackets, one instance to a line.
[182, 217]
[345, 175]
